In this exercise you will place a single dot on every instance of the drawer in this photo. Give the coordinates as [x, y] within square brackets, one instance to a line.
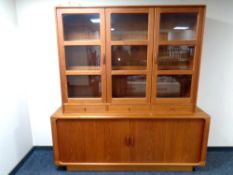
[128, 108]
[83, 108]
[172, 109]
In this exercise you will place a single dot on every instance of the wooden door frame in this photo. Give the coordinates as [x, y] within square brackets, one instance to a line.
[61, 50]
[148, 43]
[197, 45]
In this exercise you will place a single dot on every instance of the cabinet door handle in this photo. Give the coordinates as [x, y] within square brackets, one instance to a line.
[131, 140]
[127, 140]
[104, 59]
[155, 58]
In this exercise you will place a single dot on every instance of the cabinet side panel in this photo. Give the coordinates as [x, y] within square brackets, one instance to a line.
[55, 140]
[61, 54]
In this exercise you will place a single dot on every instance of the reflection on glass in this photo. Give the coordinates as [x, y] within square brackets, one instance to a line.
[81, 26]
[129, 26]
[82, 57]
[173, 86]
[84, 86]
[128, 86]
[129, 57]
[175, 57]
[178, 26]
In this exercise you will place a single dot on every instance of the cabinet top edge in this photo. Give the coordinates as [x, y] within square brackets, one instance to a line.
[199, 114]
[136, 6]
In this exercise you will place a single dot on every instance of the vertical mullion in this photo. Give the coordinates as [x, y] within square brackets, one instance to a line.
[155, 54]
[102, 46]
[149, 53]
[108, 54]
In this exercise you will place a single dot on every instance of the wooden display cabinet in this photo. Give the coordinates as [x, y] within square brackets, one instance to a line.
[129, 78]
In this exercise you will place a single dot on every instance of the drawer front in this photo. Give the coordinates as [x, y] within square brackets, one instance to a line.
[132, 141]
[129, 108]
[83, 108]
[92, 140]
[172, 109]
[166, 140]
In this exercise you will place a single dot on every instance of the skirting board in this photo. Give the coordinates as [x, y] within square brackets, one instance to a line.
[17, 167]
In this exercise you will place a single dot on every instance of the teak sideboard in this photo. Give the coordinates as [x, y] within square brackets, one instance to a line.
[129, 79]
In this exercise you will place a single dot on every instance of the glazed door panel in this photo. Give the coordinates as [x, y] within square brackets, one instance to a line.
[166, 141]
[129, 37]
[81, 39]
[177, 33]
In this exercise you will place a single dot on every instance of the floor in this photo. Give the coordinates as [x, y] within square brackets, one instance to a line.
[40, 162]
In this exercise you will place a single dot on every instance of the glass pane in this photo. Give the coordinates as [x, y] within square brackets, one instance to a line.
[128, 86]
[129, 57]
[175, 57]
[129, 26]
[174, 85]
[178, 26]
[82, 57]
[84, 86]
[81, 26]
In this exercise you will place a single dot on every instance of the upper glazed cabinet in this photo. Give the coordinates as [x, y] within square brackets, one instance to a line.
[130, 55]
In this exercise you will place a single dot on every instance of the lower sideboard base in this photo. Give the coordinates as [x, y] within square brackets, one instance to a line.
[130, 142]
[127, 168]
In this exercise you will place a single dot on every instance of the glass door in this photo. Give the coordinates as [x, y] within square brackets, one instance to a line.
[129, 54]
[82, 54]
[175, 68]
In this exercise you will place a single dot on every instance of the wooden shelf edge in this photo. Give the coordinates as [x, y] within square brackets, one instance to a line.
[133, 6]
[198, 114]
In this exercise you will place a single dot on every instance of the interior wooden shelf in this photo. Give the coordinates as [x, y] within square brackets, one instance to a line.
[77, 68]
[82, 42]
[175, 72]
[83, 72]
[130, 42]
[178, 42]
[129, 68]
[129, 72]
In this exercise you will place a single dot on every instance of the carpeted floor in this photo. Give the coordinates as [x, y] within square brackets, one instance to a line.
[40, 162]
